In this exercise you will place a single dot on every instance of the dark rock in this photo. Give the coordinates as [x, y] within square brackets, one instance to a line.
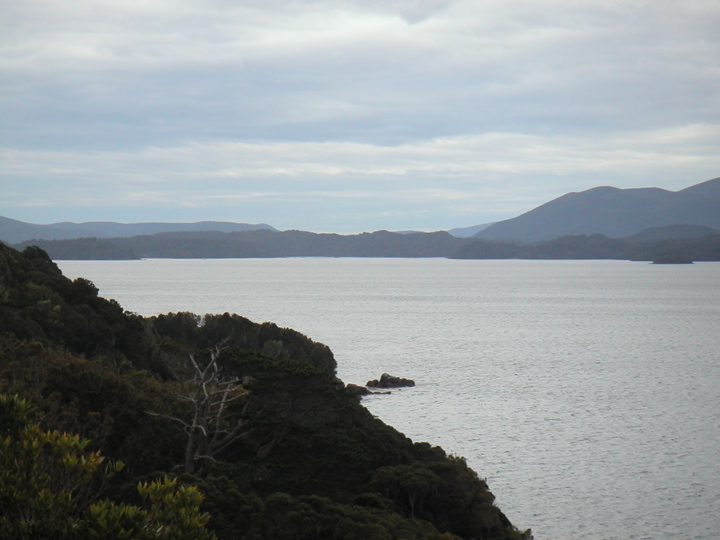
[358, 390]
[361, 391]
[390, 381]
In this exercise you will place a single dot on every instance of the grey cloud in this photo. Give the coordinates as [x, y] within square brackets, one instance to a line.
[111, 80]
[485, 178]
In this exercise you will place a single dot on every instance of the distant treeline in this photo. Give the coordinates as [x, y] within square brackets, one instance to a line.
[269, 244]
[596, 246]
[253, 244]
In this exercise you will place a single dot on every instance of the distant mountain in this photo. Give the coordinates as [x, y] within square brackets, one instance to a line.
[13, 231]
[467, 232]
[613, 212]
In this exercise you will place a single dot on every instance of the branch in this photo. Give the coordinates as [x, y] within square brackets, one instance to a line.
[173, 418]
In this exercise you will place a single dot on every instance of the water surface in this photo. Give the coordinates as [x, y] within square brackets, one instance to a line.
[586, 392]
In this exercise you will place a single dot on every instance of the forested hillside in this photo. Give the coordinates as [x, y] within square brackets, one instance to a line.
[200, 427]
[255, 244]
[698, 243]
[598, 246]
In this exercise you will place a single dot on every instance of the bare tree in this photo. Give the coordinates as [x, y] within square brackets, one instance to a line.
[213, 426]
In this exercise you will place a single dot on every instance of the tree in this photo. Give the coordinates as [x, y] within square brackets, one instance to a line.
[409, 486]
[172, 513]
[46, 477]
[50, 486]
[213, 426]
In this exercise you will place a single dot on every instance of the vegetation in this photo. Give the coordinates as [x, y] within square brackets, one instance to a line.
[596, 246]
[101, 249]
[50, 486]
[698, 243]
[261, 243]
[226, 428]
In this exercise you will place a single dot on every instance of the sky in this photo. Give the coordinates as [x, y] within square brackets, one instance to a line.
[349, 116]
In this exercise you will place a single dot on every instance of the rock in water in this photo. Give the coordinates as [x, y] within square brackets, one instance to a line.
[390, 381]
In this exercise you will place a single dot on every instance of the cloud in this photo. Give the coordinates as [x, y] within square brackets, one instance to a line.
[501, 103]
[482, 178]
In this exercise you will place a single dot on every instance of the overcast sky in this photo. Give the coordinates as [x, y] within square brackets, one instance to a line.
[349, 116]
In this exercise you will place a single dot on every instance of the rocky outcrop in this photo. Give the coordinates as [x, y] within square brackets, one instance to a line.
[358, 390]
[390, 381]
[361, 391]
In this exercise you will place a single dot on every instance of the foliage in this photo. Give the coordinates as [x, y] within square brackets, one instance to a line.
[50, 484]
[307, 517]
[105, 403]
[171, 512]
[187, 332]
[45, 476]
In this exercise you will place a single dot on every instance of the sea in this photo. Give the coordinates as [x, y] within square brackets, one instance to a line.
[586, 393]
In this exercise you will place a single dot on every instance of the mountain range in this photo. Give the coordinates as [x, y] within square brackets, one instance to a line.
[12, 230]
[613, 212]
[638, 215]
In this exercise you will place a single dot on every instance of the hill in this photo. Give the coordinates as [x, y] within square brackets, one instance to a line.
[648, 245]
[612, 212]
[249, 414]
[698, 243]
[672, 232]
[13, 231]
[261, 243]
[466, 232]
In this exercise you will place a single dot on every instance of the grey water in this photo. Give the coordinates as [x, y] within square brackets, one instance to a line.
[587, 393]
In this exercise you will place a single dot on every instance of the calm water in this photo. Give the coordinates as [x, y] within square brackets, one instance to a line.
[586, 392]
